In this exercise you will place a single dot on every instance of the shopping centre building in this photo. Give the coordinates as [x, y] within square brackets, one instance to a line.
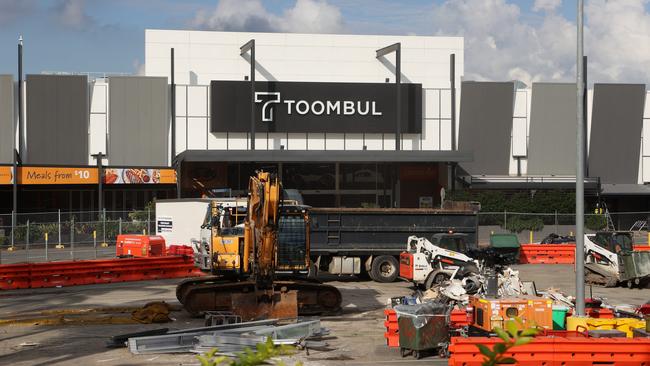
[348, 120]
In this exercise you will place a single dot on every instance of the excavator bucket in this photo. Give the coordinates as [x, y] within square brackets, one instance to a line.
[265, 305]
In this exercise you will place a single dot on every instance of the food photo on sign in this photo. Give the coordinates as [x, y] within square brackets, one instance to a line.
[131, 176]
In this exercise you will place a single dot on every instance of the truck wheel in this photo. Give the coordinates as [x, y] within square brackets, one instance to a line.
[384, 269]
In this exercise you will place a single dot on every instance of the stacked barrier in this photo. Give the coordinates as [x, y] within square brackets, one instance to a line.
[547, 254]
[88, 272]
[392, 332]
[558, 351]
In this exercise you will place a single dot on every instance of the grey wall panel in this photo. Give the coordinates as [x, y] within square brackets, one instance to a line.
[616, 123]
[139, 122]
[485, 126]
[6, 117]
[552, 142]
[57, 119]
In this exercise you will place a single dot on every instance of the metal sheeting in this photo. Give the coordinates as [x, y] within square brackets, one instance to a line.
[139, 121]
[57, 119]
[485, 126]
[6, 117]
[616, 123]
[552, 144]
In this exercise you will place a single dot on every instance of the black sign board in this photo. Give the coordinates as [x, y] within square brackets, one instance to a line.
[314, 107]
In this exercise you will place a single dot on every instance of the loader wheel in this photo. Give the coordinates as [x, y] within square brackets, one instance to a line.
[435, 278]
[384, 269]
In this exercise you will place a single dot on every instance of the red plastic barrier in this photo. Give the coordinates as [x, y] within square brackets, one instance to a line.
[180, 250]
[640, 248]
[558, 351]
[459, 318]
[547, 254]
[86, 272]
[392, 329]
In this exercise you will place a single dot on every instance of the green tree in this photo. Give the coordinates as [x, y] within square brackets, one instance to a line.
[511, 337]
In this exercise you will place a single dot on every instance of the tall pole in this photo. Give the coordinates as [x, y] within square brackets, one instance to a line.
[173, 108]
[398, 85]
[580, 201]
[253, 96]
[16, 152]
[100, 180]
[452, 80]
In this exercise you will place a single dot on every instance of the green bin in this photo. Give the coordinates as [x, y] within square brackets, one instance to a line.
[559, 317]
[419, 333]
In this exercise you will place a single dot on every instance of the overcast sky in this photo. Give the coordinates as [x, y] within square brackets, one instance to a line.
[528, 40]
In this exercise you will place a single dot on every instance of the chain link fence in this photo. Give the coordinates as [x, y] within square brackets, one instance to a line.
[54, 236]
[50, 236]
[534, 227]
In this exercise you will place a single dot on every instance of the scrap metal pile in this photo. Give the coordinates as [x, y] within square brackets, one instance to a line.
[228, 339]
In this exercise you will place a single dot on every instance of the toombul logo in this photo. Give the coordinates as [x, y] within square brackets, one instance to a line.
[317, 107]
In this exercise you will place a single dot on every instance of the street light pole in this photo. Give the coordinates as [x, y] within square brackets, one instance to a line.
[14, 151]
[580, 169]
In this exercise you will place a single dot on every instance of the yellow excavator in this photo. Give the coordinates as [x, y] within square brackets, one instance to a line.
[257, 292]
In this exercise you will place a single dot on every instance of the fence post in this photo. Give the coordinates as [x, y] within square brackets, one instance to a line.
[27, 241]
[13, 227]
[148, 221]
[46, 239]
[119, 225]
[59, 227]
[104, 219]
[505, 220]
[95, 242]
[556, 223]
[72, 237]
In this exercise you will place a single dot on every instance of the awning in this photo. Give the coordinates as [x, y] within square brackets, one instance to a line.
[528, 182]
[625, 190]
[308, 156]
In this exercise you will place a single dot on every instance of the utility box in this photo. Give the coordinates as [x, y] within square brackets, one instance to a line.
[490, 312]
[140, 246]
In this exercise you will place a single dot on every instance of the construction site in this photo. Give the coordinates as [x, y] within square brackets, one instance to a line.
[245, 202]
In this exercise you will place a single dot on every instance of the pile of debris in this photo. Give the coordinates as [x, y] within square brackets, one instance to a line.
[229, 338]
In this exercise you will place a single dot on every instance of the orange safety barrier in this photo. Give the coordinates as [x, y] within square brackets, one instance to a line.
[558, 351]
[459, 318]
[87, 272]
[547, 254]
[392, 329]
[640, 248]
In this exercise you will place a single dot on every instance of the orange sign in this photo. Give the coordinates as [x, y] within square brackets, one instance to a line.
[6, 176]
[57, 175]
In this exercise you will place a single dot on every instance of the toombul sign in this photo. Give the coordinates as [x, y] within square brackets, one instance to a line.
[315, 107]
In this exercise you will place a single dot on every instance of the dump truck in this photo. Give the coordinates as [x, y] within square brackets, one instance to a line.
[368, 241]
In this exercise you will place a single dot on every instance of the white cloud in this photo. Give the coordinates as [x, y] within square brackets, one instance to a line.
[500, 44]
[546, 5]
[307, 16]
[72, 14]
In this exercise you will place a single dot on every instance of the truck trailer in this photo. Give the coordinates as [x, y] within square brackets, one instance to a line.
[368, 241]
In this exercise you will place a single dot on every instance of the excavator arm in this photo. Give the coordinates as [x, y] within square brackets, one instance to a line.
[261, 227]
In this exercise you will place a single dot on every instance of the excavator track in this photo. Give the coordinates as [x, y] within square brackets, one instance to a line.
[217, 294]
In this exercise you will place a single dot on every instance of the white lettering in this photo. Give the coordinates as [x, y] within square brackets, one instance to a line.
[374, 110]
[360, 110]
[348, 107]
[317, 104]
[289, 102]
[333, 107]
[302, 110]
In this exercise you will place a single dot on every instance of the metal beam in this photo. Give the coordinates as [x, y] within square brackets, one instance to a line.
[388, 49]
[250, 46]
[397, 48]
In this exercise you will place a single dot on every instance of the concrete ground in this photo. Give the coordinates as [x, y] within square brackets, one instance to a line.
[356, 335]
